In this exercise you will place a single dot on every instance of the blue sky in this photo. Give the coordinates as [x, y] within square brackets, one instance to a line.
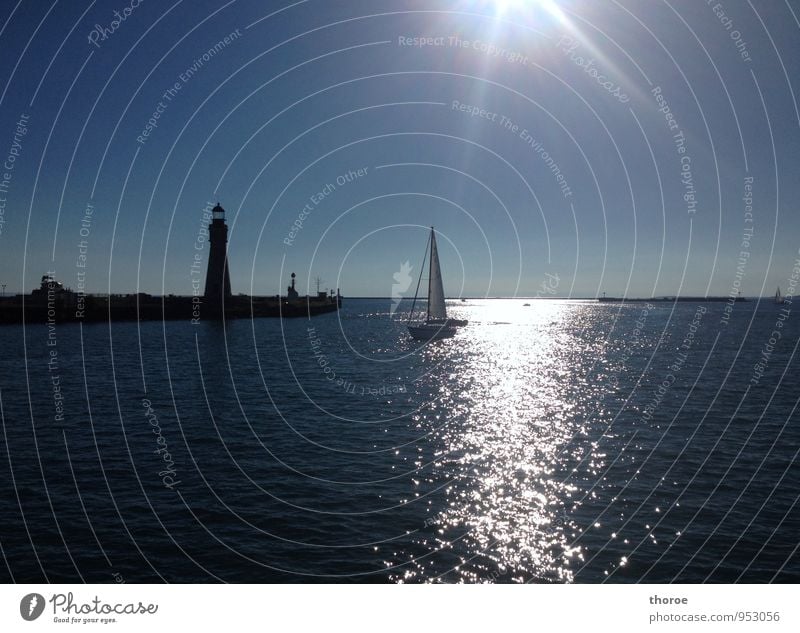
[305, 93]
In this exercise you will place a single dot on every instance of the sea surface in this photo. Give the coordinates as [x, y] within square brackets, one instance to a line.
[565, 441]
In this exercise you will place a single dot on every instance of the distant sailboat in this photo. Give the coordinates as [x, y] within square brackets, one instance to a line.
[436, 325]
[778, 298]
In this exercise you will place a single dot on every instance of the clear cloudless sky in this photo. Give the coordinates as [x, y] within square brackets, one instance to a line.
[529, 133]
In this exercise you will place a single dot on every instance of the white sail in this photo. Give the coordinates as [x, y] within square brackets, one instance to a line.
[436, 308]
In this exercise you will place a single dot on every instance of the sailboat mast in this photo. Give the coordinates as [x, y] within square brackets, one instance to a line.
[430, 274]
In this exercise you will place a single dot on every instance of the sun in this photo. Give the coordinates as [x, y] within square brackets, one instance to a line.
[506, 7]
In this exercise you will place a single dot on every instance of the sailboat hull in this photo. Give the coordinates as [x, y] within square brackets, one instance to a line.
[449, 322]
[430, 332]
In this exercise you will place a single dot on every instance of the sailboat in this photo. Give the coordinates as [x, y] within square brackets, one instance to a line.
[436, 324]
[778, 298]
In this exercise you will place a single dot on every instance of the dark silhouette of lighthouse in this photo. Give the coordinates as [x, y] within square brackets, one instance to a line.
[218, 279]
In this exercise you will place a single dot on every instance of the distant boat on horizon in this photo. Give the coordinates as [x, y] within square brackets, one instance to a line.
[436, 324]
[778, 297]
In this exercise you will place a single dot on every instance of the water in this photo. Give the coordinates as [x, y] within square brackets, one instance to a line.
[562, 442]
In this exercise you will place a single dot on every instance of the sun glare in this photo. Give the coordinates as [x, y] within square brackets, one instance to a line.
[506, 8]
[502, 6]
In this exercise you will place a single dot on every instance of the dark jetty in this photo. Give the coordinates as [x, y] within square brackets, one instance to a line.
[670, 299]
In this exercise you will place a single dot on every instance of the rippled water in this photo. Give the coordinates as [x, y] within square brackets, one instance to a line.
[565, 441]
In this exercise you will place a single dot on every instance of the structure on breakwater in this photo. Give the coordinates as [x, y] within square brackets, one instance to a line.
[52, 302]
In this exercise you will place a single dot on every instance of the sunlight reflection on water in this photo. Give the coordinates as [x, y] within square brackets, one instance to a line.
[517, 431]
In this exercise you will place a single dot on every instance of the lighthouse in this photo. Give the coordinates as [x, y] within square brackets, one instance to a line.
[218, 279]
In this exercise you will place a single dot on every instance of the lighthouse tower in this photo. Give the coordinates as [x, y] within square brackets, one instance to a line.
[218, 279]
